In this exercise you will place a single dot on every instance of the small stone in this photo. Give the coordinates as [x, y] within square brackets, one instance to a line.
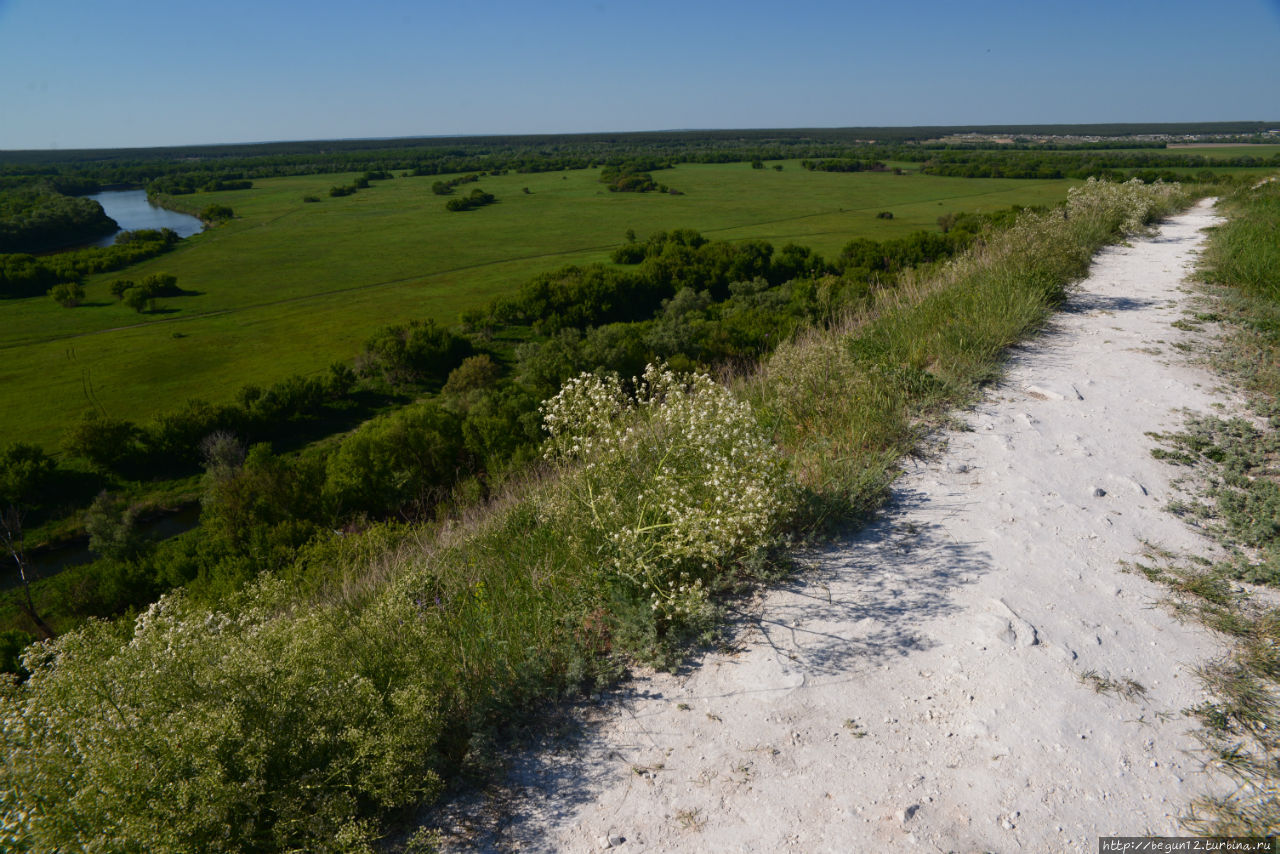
[907, 813]
[616, 839]
[1045, 393]
[603, 843]
[1099, 492]
[1006, 824]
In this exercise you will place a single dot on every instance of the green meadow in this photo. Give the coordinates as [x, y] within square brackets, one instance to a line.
[1226, 152]
[290, 286]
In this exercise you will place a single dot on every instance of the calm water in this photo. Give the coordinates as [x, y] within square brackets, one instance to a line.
[131, 209]
[50, 562]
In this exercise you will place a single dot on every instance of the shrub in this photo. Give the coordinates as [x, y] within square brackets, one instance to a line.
[260, 728]
[24, 471]
[673, 484]
[419, 352]
[396, 461]
[478, 198]
[216, 213]
[106, 443]
[474, 374]
[67, 294]
[138, 299]
[113, 528]
[12, 643]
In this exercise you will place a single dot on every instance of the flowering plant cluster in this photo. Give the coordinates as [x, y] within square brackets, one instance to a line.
[1128, 207]
[672, 482]
[214, 731]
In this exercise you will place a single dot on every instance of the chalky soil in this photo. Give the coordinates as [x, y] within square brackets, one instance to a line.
[975, 671]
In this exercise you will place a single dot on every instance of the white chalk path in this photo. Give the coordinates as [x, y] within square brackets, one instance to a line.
[921, 685]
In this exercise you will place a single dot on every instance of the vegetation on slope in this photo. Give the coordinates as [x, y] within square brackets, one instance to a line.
[1234, 482]
[680, 298]
[299, 715]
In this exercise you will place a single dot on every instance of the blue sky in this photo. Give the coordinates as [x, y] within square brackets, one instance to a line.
[91, 73]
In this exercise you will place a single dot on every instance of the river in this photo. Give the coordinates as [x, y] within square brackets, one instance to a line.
[133, 211]
[47, 562]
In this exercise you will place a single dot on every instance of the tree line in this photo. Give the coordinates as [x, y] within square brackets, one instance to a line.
[182, 170]
[477, 198]
[25, 275]
[1038, 164]
[36, 218]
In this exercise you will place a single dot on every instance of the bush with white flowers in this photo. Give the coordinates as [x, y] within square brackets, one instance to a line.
[673, 482]
[1128, 207]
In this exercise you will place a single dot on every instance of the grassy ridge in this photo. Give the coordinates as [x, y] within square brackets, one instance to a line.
[1236, 498]
[297, 720]
[848, 402]
[288, 287]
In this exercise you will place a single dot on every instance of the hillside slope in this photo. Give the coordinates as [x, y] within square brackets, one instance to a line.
[976, 670]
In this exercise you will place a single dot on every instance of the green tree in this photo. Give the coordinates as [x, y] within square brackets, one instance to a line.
[476, 373]
[24, 470]
[419, 352]
[404, 461]
[67, 294]
[161, 285]
[113, 528]
[107, 443]
[139, 299]
[216, 213]
[263, 509]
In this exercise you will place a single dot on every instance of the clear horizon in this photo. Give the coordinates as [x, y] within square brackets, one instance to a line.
[82, 75]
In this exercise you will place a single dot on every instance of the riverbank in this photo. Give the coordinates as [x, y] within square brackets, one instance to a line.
[133, 209]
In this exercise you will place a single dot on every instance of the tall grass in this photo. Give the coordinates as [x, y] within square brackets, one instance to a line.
[297, 722]
[1237, 473]
[1244, 256]
[1245, 253]
[847, 402]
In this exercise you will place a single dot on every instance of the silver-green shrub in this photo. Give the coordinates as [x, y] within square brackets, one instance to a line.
[260, 727]
[675, 481]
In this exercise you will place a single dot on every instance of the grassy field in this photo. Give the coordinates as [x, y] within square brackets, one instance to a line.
[288, 287]
[1223, 152]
